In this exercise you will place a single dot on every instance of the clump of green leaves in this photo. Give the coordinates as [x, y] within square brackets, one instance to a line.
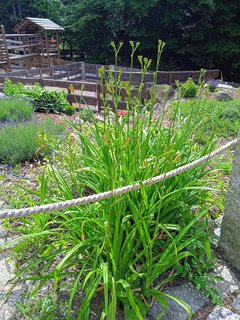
[27, 141]
[15, 110]
[86, 114]
[189, 89]
[70, 110]
[125, 248]
[42, 100]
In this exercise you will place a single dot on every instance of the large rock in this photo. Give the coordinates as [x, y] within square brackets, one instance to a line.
[163, 92]
[229, 284]
[221, 313]
[2, 96]
[223, 96]
[230, 239]
[187, 293]
[236, 303]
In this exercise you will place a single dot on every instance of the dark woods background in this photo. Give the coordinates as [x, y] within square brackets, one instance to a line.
[198, 33]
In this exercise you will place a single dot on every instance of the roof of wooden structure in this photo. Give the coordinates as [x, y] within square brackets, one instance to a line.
[35, 24]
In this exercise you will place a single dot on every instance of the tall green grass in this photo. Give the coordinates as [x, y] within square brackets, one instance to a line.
[15, 110]
[123, 249]
[210, 117]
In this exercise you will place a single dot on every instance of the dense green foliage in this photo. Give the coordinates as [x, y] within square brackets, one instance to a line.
[124, 249]
[15, 110]
[27, 141]
[189, 89]
[202, 33]
[42, 100]
[210, 117]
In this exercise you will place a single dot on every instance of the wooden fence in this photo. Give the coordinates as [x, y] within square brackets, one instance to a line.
[84, 77]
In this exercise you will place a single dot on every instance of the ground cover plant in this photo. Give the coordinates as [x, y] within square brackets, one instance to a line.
[27, 141]
[210, 117]
[122, 250]
[42, 100]
[15, 110]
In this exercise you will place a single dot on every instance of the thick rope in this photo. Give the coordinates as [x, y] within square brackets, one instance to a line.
[113, 193]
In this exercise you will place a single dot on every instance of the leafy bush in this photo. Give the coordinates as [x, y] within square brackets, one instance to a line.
[43, 100]
[26, 142]
[125, 248]
[51, 102]
[15, 110]
[189, 89]
[70, 110]
[211, 117]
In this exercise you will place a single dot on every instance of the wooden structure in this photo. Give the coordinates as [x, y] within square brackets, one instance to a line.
[85, 75]
[36, 43]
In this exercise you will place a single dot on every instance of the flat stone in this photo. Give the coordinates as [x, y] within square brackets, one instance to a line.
[187, 293]
[225, 86]
[221, 313]
[230, 282]
[236, 303]
[223, 96]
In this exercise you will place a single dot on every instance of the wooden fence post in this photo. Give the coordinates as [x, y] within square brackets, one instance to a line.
[83, 70]
[99, 102]
[230, 230]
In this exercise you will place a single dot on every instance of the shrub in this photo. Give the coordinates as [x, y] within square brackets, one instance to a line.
[189, 89]
[210, 117]
[125, 248]
[15, 110]
[51, 102]
[43, 100]
[70, 110]
[26, 142]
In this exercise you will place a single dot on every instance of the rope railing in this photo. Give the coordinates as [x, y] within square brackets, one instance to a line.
[14, 213]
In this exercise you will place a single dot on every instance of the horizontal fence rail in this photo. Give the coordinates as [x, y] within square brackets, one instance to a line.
[116, 192]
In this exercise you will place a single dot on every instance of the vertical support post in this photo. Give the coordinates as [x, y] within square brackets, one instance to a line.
[170, 78]
[83, 70]
[57, 43]
[47, 47]
[99, 101]
[6, 48]
[230, 240]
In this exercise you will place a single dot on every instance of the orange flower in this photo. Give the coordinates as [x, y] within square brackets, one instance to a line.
[122, 113]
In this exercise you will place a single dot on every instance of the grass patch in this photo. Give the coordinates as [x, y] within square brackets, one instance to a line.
[210, 117]
[15, 110]
[27, 142]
